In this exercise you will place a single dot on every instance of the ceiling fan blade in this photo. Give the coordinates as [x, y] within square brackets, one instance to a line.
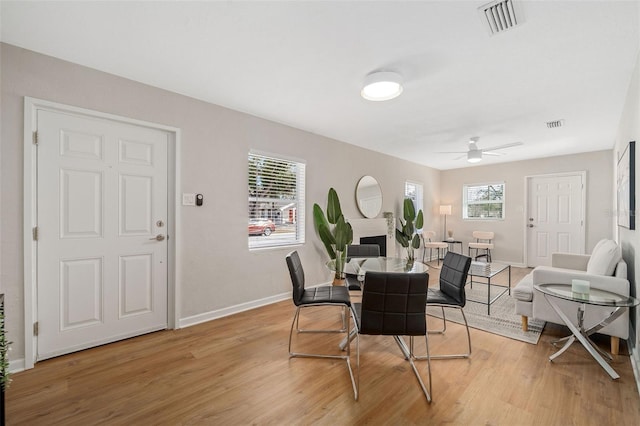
[493, 154]
[460, 157]
[509, 145]
[451, 152]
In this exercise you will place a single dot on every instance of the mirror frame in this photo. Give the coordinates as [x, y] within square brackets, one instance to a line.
[369, 201]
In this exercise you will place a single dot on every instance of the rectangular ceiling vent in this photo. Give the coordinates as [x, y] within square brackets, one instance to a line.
[499, 16]
[555, 124]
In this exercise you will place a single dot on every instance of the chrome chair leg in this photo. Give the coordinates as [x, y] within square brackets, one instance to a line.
[444, 328]
[412, 357]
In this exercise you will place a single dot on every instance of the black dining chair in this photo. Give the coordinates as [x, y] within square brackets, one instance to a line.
[360, 250]
[334, 296]
[393, 304]
[453, 277]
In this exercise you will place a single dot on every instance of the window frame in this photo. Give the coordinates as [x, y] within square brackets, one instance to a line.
[299, 237]
[465, 202]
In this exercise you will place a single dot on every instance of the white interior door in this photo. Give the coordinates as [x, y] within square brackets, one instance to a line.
[555, 217]
[101, 201]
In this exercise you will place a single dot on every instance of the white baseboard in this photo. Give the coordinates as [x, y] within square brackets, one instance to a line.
[224, 312]
[16, 365]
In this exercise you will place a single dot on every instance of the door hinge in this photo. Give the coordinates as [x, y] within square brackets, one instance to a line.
[35, 233]
[36, 328]
[35, 138]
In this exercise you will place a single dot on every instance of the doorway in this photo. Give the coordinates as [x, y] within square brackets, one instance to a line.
[100, 232]
[555, 216]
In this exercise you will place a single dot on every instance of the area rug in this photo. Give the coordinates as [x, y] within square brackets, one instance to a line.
[503, 320]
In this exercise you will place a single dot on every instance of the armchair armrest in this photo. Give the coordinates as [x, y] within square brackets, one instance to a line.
[570, 261]
[545, 274]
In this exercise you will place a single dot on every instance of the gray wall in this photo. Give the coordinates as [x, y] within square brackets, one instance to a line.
[509, 238]
[218, 269]
[629, 130]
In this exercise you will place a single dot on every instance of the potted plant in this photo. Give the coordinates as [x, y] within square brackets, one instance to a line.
[336, 234]
[407, 234]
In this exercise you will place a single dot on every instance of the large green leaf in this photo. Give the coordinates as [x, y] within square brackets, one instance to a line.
[333, 207]
[327, 239]
[416, 242]
[319, 218]
[401, 238]
[409, 210]
[419, 220]
[342, 232]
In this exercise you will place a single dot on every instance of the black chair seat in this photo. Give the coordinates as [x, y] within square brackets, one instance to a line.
[437, 297]
[326, 294]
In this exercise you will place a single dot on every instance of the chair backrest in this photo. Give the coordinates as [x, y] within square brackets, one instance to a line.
[428, 236]
[393, 303]
[363, 250]
[453, 276]
[297, 276]
[483, 235]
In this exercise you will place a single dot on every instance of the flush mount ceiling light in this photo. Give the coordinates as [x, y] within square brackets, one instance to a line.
[382, 86]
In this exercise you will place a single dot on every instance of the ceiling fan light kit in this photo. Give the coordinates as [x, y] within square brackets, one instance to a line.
[474, 156]
[382, 86]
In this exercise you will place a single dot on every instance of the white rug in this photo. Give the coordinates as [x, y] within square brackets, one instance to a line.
[502, 321]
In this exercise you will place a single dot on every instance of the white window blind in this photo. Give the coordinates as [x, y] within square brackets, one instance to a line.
[483, 201]
[276, 201]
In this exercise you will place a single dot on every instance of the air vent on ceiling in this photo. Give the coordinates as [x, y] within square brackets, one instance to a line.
[555, 124]
[499, 16]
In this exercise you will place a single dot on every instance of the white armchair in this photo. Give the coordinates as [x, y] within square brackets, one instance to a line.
[604, 269]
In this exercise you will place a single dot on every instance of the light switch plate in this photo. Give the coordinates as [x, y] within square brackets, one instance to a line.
[188, 199]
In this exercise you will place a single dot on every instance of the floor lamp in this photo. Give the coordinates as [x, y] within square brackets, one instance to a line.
[445, 211]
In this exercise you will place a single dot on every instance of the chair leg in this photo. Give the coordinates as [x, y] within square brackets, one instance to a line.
[346, 357]
[412, 357]
[466, 324]
[444, 324]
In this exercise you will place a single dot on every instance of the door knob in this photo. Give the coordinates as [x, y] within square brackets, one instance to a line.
[158, 237]
[531, 225]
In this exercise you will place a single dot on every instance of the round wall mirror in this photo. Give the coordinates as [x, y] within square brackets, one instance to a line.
[369, 197]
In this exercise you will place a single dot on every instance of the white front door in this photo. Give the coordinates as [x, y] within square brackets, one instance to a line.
[101, 201]
[555, 217]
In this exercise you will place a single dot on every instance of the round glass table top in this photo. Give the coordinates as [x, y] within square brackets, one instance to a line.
[593, 297]
[360, 265]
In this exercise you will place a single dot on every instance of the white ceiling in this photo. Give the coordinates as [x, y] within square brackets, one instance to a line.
[302, 64]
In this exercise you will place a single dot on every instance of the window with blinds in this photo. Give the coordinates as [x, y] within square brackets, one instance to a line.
[483, 201]
[413, 190]
[276, 201]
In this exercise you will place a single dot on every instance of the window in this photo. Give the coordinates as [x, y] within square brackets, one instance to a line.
[413, 190]
[483, 201]
[276, 201]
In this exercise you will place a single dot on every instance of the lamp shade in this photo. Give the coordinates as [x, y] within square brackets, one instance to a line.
[445, 210]
[382, 86]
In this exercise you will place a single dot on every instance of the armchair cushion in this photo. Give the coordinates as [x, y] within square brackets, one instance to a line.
[604, 258]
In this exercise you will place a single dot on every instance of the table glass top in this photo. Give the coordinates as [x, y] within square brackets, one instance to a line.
[594, 297]
[360, 265]
[487, 270]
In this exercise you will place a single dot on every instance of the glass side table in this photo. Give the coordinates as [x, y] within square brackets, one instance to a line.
[595, 297]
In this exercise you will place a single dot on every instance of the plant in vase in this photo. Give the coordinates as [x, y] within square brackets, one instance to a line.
[335, 233]
[410, 223]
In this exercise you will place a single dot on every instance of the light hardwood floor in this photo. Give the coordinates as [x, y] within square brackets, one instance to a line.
[236, 370]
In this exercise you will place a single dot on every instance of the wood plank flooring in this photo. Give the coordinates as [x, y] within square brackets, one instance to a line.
[236, 371]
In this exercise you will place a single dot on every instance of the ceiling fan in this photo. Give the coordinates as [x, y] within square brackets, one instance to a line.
[474, 154]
